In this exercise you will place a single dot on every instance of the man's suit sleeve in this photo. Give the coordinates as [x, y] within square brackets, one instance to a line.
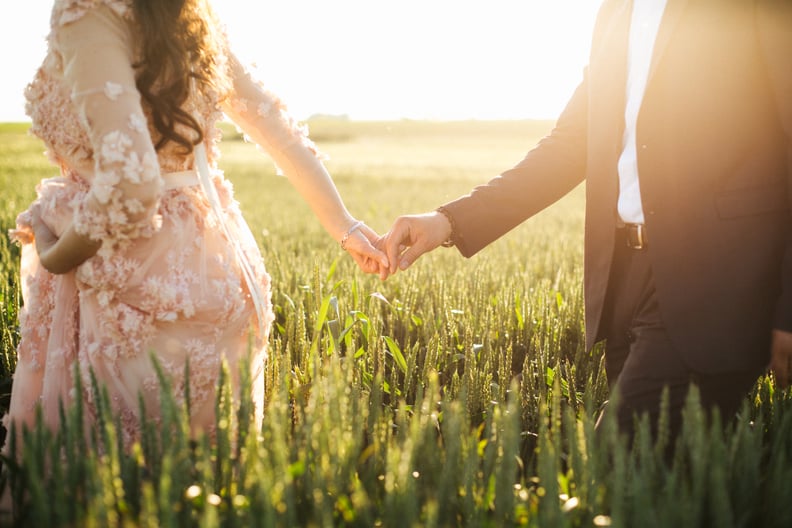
[549, 171]
[774, 19]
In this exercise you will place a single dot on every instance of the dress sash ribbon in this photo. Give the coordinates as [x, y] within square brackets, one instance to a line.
[205, 181]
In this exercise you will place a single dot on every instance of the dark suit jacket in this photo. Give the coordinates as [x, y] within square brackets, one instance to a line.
[714, 139]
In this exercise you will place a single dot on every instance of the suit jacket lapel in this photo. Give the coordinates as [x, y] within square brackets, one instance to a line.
[607, 78]
[607, 94]
[673, 12]
[615, 49]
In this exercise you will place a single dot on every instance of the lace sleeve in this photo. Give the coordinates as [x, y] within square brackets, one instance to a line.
[263, 117]
[266, 121]
[126, 186]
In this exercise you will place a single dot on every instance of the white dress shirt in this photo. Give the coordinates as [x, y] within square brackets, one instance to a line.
[644, 23]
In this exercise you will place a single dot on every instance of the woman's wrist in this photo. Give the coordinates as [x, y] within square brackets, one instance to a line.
[356, 224]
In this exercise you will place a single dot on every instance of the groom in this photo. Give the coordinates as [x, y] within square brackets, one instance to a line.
[682, 130]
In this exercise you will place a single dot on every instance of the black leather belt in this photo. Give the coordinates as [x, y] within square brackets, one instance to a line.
[635, 235]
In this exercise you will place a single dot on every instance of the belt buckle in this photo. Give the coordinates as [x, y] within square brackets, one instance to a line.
[636, 236]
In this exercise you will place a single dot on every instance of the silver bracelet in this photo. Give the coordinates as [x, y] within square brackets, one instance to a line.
[349, 232]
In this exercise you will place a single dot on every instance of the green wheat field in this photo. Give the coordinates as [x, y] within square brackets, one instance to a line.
[458, 393]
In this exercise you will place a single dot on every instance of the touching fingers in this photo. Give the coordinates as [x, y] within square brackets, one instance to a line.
[372, 242]
[395, 242]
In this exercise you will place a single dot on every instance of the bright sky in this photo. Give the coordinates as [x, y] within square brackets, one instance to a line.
[376, 59]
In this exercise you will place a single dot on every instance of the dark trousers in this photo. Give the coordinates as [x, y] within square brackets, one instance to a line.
[641, 360]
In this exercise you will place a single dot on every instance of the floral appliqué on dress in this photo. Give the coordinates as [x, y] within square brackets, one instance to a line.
[167, 280]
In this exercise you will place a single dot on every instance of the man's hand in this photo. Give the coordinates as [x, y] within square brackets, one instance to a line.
[781, 357]
[413, 235]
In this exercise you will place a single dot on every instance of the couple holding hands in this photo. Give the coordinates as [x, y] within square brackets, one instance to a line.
[681, 128]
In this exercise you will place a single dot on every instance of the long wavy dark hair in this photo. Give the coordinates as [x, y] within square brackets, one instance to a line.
[179, 47]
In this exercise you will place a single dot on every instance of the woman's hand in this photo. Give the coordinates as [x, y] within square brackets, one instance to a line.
[362, 243]
[44, 237]
[60, 255]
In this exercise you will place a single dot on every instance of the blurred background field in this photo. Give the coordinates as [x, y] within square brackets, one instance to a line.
[457, 393]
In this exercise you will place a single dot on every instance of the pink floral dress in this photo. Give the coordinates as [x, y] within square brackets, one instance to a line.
[168, 280]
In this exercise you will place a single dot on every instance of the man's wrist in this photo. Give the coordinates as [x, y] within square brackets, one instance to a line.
[450, 241]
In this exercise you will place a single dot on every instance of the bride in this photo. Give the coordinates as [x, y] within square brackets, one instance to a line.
[138, 246]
